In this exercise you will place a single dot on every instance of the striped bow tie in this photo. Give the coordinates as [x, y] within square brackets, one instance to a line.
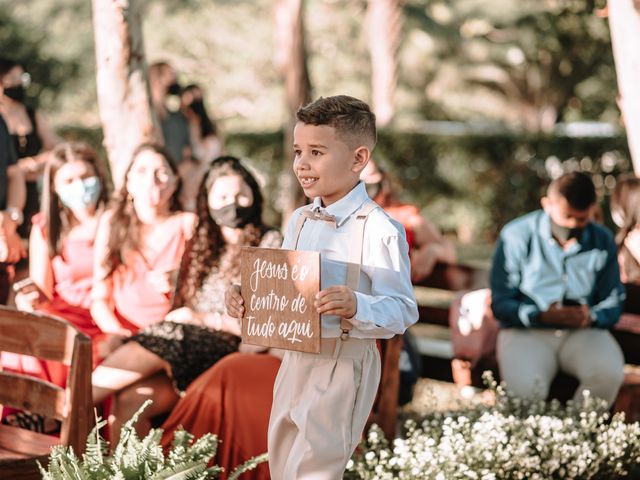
[318, 215]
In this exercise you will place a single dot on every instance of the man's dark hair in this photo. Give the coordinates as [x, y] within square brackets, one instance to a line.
[577, 188]
[353, 120]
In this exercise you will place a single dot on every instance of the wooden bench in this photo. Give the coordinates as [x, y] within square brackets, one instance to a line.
[436, 293]
[54, 339]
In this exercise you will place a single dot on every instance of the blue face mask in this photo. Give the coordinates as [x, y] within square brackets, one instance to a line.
[80, 194]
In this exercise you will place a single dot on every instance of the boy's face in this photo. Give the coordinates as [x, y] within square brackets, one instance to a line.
[324, 164]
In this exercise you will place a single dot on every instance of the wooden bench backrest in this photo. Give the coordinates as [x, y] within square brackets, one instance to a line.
[53, 339]
[455, 278]
[440, 288]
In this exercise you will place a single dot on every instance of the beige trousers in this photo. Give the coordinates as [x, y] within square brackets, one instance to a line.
[320, 406]
[530, 358]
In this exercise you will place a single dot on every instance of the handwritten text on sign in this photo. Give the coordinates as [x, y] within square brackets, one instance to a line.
[278, 288]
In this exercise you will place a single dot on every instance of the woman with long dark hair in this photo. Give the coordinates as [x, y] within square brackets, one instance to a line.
[139, 245]
[166, 357]
[61, 247]
[74, 193]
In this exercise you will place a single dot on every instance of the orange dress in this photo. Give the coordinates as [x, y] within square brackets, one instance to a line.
[233, 401]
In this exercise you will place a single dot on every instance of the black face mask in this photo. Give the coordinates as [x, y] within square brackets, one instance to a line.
[373, 189]
[564, 234]
[232, 215]
[15, 93]
[174, 89]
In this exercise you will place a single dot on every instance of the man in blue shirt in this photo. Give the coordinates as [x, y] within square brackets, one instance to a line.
[556, 291]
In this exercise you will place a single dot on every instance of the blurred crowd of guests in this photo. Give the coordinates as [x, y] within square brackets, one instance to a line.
[143, 270]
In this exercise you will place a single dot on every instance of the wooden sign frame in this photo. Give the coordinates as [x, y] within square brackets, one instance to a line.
[279, 287]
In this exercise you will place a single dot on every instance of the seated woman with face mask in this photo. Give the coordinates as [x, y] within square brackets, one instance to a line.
[61, 251]
[197, 332]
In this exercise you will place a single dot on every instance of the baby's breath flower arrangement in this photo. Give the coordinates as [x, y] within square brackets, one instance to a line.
[512, 439]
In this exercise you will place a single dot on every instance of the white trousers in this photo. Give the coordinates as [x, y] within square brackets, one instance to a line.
[320, 406]
[530, 358]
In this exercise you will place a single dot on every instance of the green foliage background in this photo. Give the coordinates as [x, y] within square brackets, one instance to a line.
[497, 64]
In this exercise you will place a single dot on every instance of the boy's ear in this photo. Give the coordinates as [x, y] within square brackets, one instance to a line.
[545, 202]
[361, 157]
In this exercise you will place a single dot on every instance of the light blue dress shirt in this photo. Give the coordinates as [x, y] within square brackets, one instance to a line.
[386, 304]
[531, 271]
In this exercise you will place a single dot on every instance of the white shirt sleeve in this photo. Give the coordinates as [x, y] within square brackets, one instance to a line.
[391, 307]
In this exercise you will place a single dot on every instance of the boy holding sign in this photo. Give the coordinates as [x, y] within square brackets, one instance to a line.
[321, 402]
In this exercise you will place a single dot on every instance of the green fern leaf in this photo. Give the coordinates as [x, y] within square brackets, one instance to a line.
[248, 465]
[184, 471]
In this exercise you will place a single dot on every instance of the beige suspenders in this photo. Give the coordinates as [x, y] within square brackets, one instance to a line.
[355, 253]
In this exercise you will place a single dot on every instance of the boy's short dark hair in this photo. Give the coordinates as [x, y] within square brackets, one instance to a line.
[577, 188]
[353, 120]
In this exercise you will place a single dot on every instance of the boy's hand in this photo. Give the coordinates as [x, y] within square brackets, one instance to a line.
[233, 302]
[336, 300]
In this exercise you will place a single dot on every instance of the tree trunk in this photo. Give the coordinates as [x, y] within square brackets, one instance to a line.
[123, 92]
[384, 21]
[624, 22]
[291, 58]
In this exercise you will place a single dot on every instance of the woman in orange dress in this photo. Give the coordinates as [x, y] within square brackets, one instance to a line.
[426, 245]
[233, 397]
[139, 245]
[625, 213]
[232, 400]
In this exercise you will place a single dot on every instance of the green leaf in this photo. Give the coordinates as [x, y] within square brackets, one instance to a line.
[248, 465]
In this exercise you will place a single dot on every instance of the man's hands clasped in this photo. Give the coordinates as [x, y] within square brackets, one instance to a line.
[578, 316]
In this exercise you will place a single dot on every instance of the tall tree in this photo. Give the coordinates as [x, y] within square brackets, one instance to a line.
[624, 21]
[384, 22]
[123, 90]
[291, 59]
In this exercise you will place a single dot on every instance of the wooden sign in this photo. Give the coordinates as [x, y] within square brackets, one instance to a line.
[279, 288]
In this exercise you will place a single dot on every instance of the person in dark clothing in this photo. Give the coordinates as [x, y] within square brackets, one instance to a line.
[12, 197]
[175, 126]
[31, 134]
